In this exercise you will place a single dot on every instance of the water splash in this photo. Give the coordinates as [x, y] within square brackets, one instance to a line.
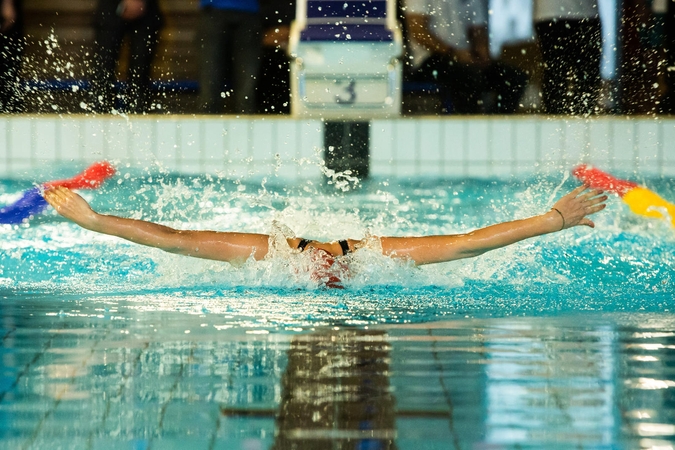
[626, 263]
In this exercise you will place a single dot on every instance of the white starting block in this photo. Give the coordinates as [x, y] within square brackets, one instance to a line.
[345, 59]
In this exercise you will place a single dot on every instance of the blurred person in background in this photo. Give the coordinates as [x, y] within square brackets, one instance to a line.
[570, 39]
[141, 20]
[274, 91]
[449, 44]
[229, 41]
[668, 101]
[11, 48]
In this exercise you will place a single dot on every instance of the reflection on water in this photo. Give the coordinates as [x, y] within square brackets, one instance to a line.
[140, 379]
[559, 380]
[647, 393]
[336, 393]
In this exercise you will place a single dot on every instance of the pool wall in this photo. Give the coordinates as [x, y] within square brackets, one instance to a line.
[289, 148]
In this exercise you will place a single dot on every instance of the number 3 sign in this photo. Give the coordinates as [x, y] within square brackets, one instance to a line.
[350, 90]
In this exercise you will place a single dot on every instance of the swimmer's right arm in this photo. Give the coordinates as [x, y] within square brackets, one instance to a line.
[220, 246]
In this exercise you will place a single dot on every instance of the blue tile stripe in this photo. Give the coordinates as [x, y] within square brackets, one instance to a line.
[347, 32]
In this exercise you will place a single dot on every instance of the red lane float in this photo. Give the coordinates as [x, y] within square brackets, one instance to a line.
[639, 199]
[91, 178]
[31, 201]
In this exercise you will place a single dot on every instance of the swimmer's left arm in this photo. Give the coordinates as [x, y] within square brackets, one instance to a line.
[443, 248]
[571, 210]
[220, 246]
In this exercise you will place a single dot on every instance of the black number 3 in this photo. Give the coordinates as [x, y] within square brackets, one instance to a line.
[351, 92]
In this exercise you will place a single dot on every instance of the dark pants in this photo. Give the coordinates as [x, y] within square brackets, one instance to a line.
[466, 85]
[274, 92]
[668, 102]
[230, 46]
[11, 48]
[571, 51]
[143, 38]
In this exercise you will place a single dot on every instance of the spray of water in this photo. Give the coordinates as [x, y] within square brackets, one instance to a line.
[626, 263]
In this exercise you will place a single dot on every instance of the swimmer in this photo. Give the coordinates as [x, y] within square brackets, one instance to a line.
[569, 211]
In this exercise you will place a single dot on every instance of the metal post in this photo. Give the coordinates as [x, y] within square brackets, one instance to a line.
[347, 147]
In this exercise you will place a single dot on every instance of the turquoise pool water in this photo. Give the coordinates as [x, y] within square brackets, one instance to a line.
[564, 341]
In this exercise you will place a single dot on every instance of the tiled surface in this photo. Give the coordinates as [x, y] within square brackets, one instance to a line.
[107, 375]
[288, 148]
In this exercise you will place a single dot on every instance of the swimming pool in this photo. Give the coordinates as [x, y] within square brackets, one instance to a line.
[564, 341]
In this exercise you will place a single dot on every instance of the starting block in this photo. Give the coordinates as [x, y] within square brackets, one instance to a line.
[345, 60]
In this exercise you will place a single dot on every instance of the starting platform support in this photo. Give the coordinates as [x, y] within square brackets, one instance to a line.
[346, 69]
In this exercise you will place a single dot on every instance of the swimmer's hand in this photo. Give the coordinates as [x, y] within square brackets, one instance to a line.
[572, 209]
[71, 206]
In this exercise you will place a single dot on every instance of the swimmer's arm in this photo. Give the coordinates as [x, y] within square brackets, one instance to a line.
[574, 207]
[435, 249]
[221, 246]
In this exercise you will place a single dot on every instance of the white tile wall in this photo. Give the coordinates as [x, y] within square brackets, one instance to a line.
[648, 145]
[404, 143]
[310, 138]
[93, 138]
[477, 149]
[142, 135]
[189, 146]
[46, 134]
[600, 147]
[212, 144]
[381, 148]
[454, 141]
[20, 149]
[525, 143]
[4, 143]
[291, 149]
[116, 140]
[623, 142]
[501, 148]
[550, 141]
[575, 140]
[667, 138]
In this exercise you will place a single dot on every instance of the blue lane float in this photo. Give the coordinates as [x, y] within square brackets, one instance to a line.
[31, 202]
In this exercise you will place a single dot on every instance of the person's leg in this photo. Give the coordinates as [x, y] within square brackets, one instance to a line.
[143, 44]
[459, 81]
[213, 35]
[110, 28]
[553, 40]
[463, 84]
[508, 83]
[273, 92]
[586, 49]
[246, 49]
[668, 102]
[11, 49]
